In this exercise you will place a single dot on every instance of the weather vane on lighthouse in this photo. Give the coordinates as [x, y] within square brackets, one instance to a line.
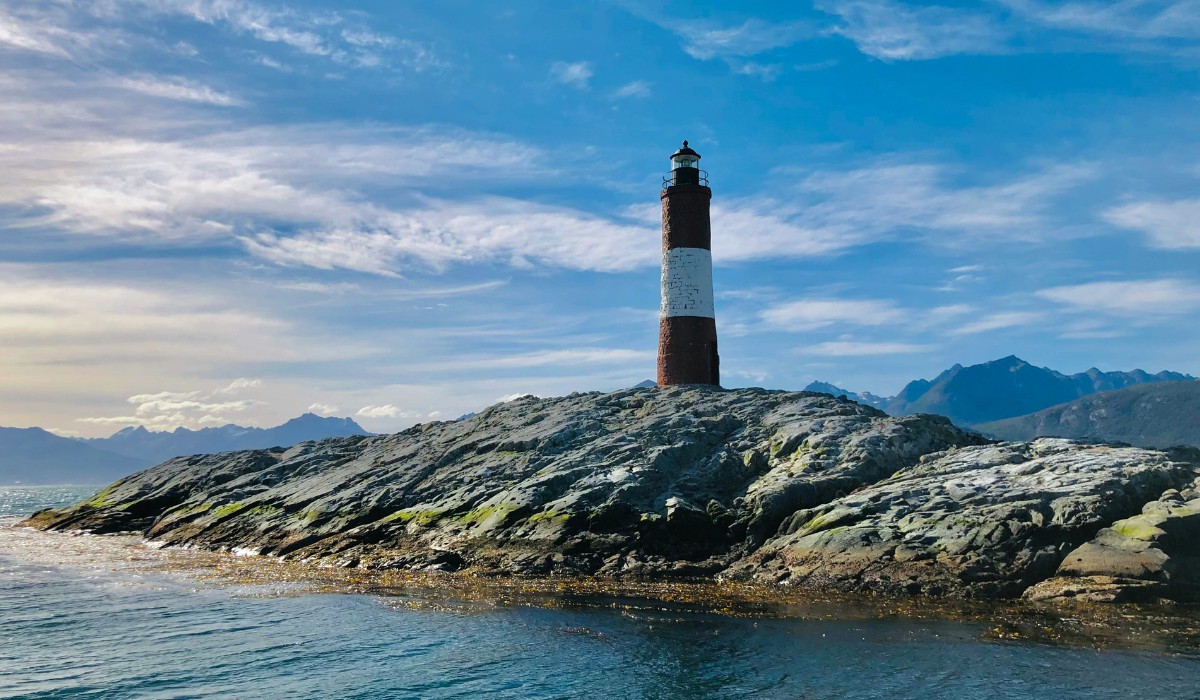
[687, 329]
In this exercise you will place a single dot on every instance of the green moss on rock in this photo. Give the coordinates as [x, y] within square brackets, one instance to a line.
[228, 509]
[420, 517]
[1138, 529]
[550, 516]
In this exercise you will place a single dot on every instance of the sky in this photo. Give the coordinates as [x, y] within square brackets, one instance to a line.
[217, 211]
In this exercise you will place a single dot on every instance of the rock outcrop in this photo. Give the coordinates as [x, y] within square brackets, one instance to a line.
[1148, 557]
[982, 521]
[797, 488]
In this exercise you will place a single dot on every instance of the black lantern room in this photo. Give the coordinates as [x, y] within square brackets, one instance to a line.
[685, 168]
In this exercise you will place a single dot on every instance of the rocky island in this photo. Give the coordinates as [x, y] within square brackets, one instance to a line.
[792, 489]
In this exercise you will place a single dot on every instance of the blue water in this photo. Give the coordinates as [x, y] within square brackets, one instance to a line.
[77, 621]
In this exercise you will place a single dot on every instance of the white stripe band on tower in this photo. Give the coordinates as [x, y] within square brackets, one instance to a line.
[687, 286]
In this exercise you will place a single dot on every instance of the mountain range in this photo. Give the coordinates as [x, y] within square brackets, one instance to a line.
[33, 455]
[1007, 398]
[150, 448]
[999, 389]
[1149, 415]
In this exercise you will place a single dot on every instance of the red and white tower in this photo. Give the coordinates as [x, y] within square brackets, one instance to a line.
[687, 330]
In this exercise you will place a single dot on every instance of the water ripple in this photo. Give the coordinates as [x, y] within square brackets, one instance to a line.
[78, 621]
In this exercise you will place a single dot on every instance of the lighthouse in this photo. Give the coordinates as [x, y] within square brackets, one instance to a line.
[687, 326]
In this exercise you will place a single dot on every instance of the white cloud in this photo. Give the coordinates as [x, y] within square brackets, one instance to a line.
[1147, 19]
[891, 30]
[895, 31]
[762, 229]
[83, 341]
[241, 182]
[766, 71]
[809, 314]
[1164, 297]
[1170, 225]
[891, 196]
[637, 88]
[16, 34]
[517, 232]
[569, 358]
[938, 317]
[512, 397]
[121, 420]
[322, 409]
[256, 186]
[572, 358]
[239, 385]
[77, 319]
[829, 212]
[175, 88]
[1091, 329]
[385, 411]
[998, 321]
[321, 287]
[576, 75]
[324, 34]
[755, 376]
[173, 409]
[62, 27]
[706, 40]
[949, 311]
[166, 396]
[843, 348]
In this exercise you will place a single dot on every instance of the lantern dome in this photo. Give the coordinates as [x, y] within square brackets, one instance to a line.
[685, 157]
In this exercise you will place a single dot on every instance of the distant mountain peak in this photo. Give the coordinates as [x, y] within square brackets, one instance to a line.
[831, 389]
[865, 398]
[151, 447]
[310, 418]
[998, 389]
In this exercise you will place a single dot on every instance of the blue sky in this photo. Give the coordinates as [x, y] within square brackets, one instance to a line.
[236, 210]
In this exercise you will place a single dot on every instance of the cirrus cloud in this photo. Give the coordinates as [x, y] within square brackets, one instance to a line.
[1162, 297]
[1169, 225]
[810, 314]
[847, 348]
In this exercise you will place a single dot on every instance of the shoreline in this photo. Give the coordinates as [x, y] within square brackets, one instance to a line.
[778, 489]
[1170, 630]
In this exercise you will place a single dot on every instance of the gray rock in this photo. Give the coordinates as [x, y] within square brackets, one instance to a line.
[801, 488]
[982, 521]
[645, 477]
[1152, 555]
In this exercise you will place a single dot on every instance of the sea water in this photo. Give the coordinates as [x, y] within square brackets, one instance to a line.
[76, 621]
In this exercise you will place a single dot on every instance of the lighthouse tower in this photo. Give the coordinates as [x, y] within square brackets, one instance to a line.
[687, 330]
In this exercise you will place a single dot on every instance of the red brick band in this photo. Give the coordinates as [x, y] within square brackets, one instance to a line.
[687, 351]
[685, 222]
